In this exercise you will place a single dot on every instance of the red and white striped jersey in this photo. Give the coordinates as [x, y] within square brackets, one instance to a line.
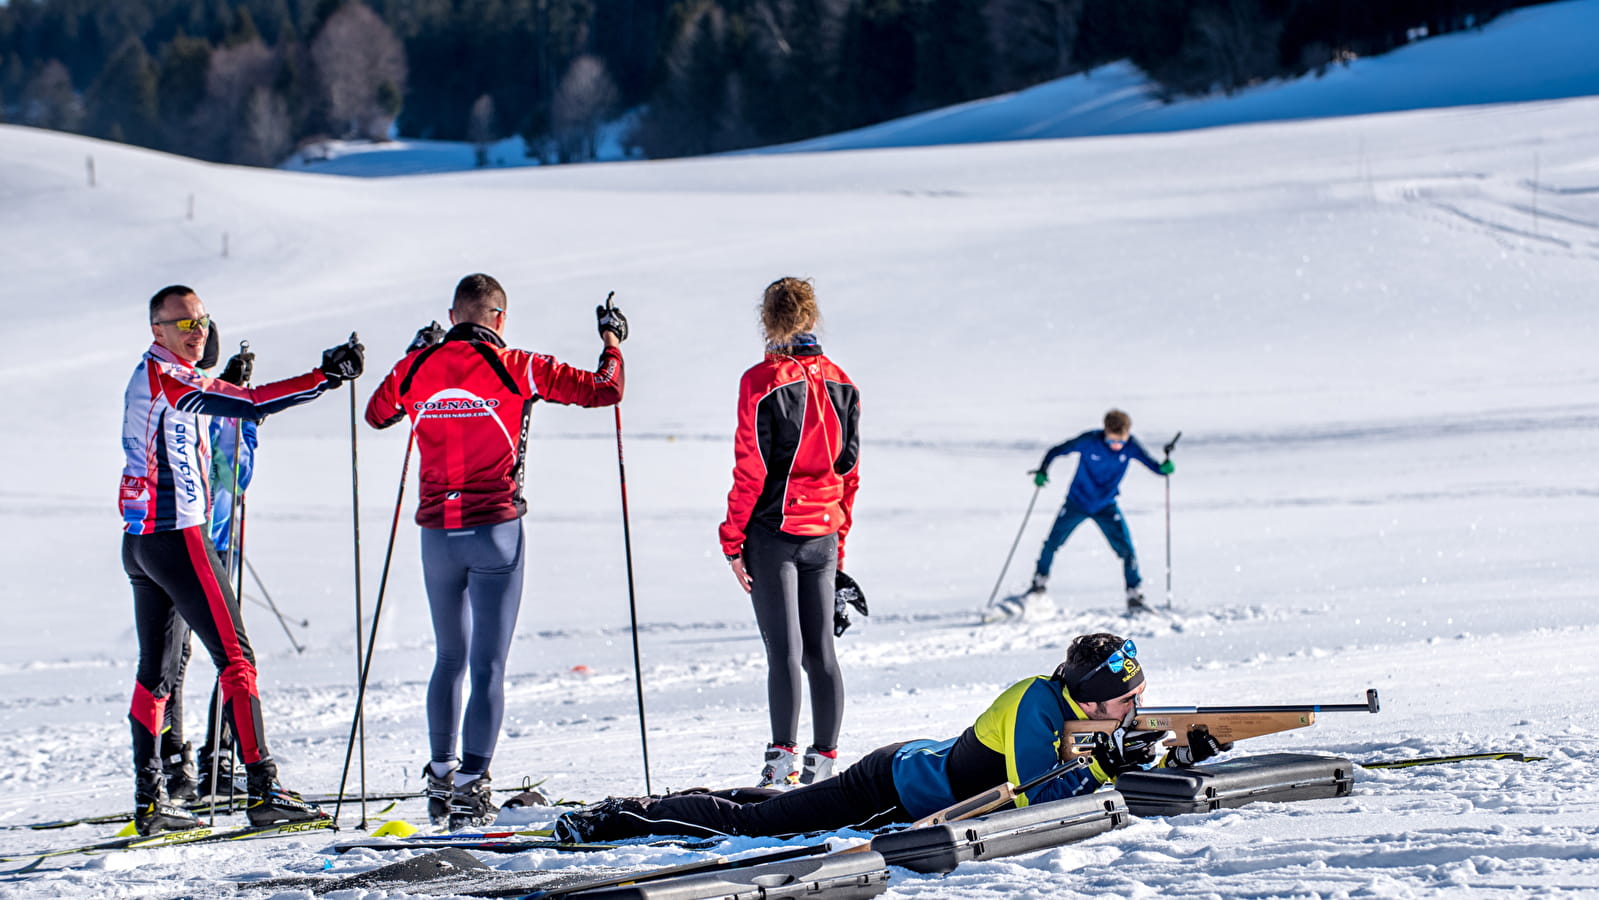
[166, 420]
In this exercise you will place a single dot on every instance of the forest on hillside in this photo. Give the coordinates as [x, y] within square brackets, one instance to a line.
[250, 81]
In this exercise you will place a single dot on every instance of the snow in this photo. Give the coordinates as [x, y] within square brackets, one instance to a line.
[1375, 333]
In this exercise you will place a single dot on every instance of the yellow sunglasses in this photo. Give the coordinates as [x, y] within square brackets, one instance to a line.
[187, 325]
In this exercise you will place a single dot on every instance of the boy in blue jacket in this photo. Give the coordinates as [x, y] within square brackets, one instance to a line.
[1102, 458]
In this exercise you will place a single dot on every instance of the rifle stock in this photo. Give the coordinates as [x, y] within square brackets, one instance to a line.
[1226, 723]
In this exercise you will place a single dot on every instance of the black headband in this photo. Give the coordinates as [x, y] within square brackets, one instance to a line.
[1102, 684]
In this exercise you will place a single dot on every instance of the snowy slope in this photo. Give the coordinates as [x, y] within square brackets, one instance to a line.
[1375, 334]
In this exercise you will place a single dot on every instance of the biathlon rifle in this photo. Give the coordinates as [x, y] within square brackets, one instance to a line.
[1226, 723]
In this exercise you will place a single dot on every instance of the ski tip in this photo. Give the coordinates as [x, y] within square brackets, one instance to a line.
[25, 870]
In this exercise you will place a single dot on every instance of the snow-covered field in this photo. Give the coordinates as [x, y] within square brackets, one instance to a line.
[1376, 335]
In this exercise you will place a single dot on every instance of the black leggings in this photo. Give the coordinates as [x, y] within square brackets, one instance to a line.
[862, 796]
[172, 736]
[179, 584]
[792, 592]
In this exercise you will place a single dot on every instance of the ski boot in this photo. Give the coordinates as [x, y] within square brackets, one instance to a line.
[153, 810]
[613, 818]
[230, 782]
[182, 778]
[817, 765]
[269, 803]
[779, 769]
[1135, 602]
[440, 790]
[472, 803]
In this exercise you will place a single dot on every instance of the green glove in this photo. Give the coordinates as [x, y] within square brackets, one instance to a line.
[1040, 477]
[1166, 468]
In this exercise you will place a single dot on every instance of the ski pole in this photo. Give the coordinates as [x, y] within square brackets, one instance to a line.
[632, 604]
[366, 665]
[1170, 446]
[360, 674]
[235, 537]
[271, 604]
[1013, 544]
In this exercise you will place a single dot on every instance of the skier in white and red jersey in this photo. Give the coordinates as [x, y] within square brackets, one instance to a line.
[167, 552]
[469, 399]
[796, 461]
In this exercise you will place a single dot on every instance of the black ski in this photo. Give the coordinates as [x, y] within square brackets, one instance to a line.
[492, 844]
[201, 835]
[199, 809]
[222, 807]
[1442, 760]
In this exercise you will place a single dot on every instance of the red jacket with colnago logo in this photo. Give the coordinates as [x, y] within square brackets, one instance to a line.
[797, 450]
[469, 399]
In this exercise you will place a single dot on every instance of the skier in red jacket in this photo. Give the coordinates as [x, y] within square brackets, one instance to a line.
[794, 480]
[469, 399]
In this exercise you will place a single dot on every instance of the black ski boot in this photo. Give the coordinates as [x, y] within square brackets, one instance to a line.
[270, 803]
[230, 781]
[472, 804]
[441, 790]
[613, 818]
[181, 775]
[153, 811]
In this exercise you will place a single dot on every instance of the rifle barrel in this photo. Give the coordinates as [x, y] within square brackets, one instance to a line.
[1370, 705]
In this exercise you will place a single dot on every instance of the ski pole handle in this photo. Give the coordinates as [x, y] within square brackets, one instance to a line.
[1172, 444]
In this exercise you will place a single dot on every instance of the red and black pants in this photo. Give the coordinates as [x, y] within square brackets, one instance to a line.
[179, 585]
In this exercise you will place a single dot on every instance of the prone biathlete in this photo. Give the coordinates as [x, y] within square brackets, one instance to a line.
[469, 398]
[179, 583]
[1019, 737]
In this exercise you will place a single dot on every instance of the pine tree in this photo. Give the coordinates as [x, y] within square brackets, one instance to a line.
[122, 103]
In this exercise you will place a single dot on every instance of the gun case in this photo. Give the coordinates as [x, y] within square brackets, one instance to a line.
[1275, 777]
[846, 876]
[940, 848]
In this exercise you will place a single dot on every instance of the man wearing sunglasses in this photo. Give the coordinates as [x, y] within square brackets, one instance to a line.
[167, 552]
[1021, 736]
[1102, 458]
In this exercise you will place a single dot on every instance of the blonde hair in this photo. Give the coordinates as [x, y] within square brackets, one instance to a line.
[788, 309]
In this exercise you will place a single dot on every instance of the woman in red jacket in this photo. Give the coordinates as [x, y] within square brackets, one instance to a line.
[794, 479]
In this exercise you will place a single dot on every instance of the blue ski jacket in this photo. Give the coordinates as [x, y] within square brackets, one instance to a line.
[1099, 469]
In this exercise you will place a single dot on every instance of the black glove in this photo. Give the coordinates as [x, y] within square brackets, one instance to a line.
[611, 319]
[1202, 745]
[846, 593]
[426, 337]
[344, 362]
[213, 348]
[240, 367]
[1115, 754]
